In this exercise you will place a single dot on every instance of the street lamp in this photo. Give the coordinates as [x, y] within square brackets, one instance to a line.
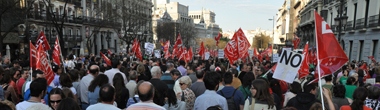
[108, 38]
[340, 21]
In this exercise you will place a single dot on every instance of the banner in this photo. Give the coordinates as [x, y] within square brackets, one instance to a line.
[207, 55]
[157, 53]
[149, 47]
[43, 64]
[220, 53]
[288, 66]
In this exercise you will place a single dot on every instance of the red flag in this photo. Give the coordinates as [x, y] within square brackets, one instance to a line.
[202, 51]
[183, 55]
[33, 55]
[273, 68]
[372, 58]
[43, 41]
[329, 52]
[255, 53]
[189, 54]
[231, 50]
[217, 38]
[138, 52]
[57, 52]
[105, 58]
[243, 43]
[177, 43]
[109, 52]
[44, 65]
[296, 41]
[166, 49]
[134, 45]
[304, 69]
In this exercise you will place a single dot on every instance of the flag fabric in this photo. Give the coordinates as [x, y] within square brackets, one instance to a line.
[42, 63]
[106, 59]
[42, 41]
[138, 52]
[134, 45]
[296, 41]
[329, 52]
[202, 51]
[166, 49]
[231, 50]
[177, 44]
[255, 53]
[372, 58]
[189, 54]
[243, 44]
[217, 38]
[304, 69]
[183, 55]
[364, 67]
[57, 52]
[109, 52]
[33, 55]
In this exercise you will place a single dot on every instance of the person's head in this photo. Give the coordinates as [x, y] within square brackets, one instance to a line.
[170, 66]
[373, 92]
[68, 93]
[133, 75]
[360, 73]
[116, 63]
[247, 79]
[145, 90]
[359, 96]
[260, 91]
[68, 104]
[55, 97]
[25, 74]
[328, 78]
[38, 87]
[316, 106]
[37, 74]
[235, 72]
[7, 105]
[184, 82]
[74, 75]
[182, 62]
[259, 71]
[310, 88]
[200, 74]
[339, 91]
[140, 68]
[98, 81]
[175, 74]
[16, 74]
[212, 80]
[107, 93]
[65, 80]
[56, 69]
[227, 78]
[94, 70]
[351, 81]
[156, 72]
[295, 87]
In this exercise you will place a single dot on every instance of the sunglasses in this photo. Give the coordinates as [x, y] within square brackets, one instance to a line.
[181, 84]
[57, 101]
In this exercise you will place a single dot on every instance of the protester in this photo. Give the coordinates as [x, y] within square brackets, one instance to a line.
[210, 97]
[106, 99]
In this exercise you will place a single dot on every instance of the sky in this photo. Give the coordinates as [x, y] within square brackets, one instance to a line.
[235, 14]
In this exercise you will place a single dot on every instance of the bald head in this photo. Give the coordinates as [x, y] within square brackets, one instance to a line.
[94, 69]
[145, 91]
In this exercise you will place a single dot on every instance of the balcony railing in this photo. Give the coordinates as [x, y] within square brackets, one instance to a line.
[360, 23]
[349, 26]
[374, 21]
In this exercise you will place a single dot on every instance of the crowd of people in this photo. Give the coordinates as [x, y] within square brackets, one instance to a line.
[88, 83]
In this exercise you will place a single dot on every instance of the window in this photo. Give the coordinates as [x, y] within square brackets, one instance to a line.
[361, 49]
[375, 48]
[350, 51]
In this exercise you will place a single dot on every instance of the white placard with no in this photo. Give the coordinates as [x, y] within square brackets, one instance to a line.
[220, 53]
[288, 65]
[149, 48]
[207, 55]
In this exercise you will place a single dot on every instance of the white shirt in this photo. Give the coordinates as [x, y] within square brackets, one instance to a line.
[177, 87]
[102, 106]
[111, 73]
[70, 64]
[24, 105]
[83, 87]
[131, 86]
[73, 90]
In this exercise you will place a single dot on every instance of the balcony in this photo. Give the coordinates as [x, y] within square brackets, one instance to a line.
[349, 26]
[374, 21]
[360, 23]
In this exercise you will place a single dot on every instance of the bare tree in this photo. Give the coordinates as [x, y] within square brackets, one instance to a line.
[165, 31]
[261, 41]
[188, 33]
[12, 13]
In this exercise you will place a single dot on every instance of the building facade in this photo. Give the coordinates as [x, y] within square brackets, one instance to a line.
[205, 21]
[359, 36]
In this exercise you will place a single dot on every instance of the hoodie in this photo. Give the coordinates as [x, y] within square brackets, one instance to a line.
[302, 101]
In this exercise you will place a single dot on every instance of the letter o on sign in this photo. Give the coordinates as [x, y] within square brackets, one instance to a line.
[296, 60]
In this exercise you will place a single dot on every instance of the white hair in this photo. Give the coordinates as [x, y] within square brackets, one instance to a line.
[186, 80]
[156, 70]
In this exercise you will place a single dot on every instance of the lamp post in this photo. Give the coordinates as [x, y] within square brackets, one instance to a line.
[108, 39]
[340, 21]
[272, 35]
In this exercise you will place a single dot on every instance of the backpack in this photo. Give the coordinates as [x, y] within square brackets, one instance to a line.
[230, 101]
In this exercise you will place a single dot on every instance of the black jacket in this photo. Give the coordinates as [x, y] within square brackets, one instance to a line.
[302, 101]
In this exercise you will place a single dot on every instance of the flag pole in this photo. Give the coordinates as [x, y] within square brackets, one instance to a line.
[60, 54]
[319, 67]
